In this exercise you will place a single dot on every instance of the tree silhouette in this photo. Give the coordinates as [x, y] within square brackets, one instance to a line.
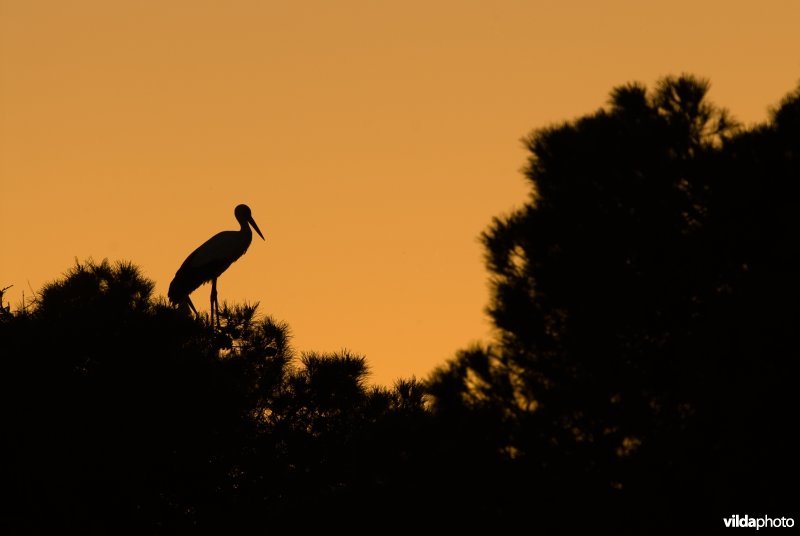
[644, 357]
[125, 415]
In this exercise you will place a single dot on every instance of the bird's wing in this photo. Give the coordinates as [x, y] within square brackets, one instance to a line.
[205, 263]
[222, 247]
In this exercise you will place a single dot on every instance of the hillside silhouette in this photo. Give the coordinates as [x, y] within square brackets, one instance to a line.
[642, 376]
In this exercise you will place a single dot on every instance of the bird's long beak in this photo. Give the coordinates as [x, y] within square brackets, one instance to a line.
[253, 223]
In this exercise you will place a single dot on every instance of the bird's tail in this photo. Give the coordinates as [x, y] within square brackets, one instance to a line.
[176, 293]
[184, 307]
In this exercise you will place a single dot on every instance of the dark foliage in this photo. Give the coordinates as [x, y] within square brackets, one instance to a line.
[121, 414]
[641, 378]
[644, 298]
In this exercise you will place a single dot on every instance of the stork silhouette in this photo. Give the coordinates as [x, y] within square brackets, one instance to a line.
[210, 260]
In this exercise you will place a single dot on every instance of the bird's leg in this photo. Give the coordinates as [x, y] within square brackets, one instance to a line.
[214, 304]
[191, 306]
[216, 308]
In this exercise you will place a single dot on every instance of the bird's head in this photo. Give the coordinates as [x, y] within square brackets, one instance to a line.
[244, 216]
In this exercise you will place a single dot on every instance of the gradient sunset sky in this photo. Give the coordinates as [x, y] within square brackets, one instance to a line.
[373, 140]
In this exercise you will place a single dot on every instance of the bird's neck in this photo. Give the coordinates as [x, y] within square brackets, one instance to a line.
[245, 228]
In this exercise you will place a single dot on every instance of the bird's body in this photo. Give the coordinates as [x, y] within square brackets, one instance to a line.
[211, 259]
[208, 262]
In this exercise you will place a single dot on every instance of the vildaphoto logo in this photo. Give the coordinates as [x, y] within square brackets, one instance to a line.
[758, 522]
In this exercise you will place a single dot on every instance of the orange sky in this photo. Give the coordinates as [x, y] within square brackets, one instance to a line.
[373, 140]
